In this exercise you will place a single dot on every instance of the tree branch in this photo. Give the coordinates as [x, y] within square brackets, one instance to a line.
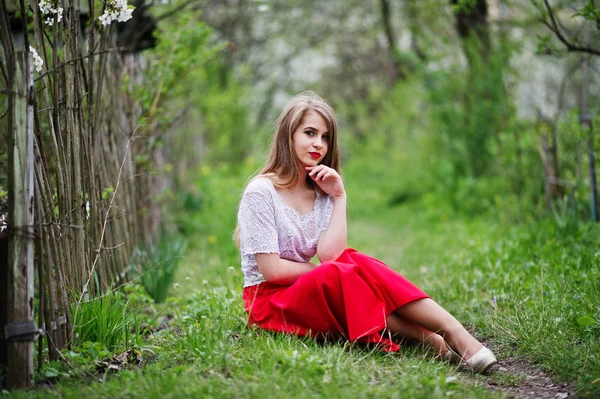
[62, 64]
[553, 25]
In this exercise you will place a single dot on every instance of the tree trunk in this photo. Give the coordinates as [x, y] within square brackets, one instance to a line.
[386, 20]
[472, 27]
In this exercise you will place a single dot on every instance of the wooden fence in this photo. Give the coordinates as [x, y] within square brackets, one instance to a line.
[94, 172]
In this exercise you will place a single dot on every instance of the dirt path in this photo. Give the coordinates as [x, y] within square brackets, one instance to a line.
[520, 378]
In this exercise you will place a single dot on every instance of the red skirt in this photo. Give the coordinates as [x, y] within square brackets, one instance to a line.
[350, 297]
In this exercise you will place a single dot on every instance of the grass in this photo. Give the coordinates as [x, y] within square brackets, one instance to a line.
[110, 319]
[212, 353]
[156, 265]
[531, 288]
[527, 287]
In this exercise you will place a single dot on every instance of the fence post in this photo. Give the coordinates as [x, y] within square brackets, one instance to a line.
[20, 330]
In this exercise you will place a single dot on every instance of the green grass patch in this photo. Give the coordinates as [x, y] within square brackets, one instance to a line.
[531, 288]
[107, 323]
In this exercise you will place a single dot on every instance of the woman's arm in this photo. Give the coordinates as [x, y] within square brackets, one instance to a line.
[334, 240]
[281, 271]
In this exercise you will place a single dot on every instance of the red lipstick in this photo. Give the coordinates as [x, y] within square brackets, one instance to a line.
[315, 155]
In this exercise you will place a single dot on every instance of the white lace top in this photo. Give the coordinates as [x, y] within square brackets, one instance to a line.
[268, 225]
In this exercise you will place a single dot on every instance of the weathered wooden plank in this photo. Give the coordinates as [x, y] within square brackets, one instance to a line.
[21, 217]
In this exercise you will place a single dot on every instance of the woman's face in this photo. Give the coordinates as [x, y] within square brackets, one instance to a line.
[311, 139]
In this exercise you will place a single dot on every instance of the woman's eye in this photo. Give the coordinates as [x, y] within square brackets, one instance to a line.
[310, 133]
[326, 137]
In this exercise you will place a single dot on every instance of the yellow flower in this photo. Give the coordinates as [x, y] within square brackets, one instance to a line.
[168, 167]
[212, 239]
[205, 170]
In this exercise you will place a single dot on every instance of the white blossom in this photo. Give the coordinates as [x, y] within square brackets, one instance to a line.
[3, 224]
[116, 10]
[47, 8]
[37, 60]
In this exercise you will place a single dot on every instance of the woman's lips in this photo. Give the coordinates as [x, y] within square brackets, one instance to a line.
[315, 155]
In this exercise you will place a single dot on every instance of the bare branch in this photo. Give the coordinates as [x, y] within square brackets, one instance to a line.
[62, 64]
[554, 27]
[106, 219]
[4, 73]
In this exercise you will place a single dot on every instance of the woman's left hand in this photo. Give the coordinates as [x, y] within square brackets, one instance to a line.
[328, 179]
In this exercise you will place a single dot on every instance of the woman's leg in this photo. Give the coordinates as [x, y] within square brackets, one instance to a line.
[427, 313]
[407, 329]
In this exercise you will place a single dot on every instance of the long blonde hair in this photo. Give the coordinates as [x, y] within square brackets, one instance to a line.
[283, 166]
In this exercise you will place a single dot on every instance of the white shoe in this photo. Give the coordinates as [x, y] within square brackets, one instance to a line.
[452, 357]
[482, 360]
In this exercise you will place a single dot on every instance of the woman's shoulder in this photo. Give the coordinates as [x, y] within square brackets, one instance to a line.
[260, 184]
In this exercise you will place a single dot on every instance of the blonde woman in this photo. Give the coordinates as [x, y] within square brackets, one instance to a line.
[296, 208]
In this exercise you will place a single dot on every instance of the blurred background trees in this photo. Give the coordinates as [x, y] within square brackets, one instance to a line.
[470, 105]
[482, 105]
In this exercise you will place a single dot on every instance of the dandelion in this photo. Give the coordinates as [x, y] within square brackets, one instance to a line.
[38, 62]
[188, 278]
[176, 285]
[212, 239]
[231, 269]
[204, 282]
[116, 10]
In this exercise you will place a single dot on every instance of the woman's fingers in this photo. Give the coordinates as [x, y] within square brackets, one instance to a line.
[314, 170]
[321, 173]
[324, 174]
[318, 171]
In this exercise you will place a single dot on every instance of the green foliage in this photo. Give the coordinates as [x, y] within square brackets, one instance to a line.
[107, 323]
[589, 12]
[157, 264]
[469, 113]
[464, 5]
[177, 55]
[191, 90]
[208, 212]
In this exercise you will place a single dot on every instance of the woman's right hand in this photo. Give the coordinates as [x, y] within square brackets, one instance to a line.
[328, 180]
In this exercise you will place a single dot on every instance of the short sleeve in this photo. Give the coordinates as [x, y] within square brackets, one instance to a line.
[327, 211]
[256, 219]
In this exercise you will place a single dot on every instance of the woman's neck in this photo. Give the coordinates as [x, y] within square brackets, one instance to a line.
[301, 184]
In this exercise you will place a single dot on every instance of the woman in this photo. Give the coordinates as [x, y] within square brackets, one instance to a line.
[296, 208]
